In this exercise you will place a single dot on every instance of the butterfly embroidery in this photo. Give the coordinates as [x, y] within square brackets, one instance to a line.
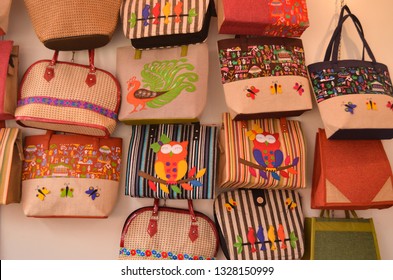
[390, 105]
[275, 88]
[299, 88]
[42, 193]
[290, 204]
[232, 204]
[93, 193]
[251, 92]
[371, 105]
[67, 191]
[349, 107]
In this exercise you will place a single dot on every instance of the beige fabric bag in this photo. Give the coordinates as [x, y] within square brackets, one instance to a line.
[5, 7]
[9, 66]
[163, 85]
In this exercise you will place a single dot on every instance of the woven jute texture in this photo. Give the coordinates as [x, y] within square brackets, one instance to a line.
[71, 18]
[69, 84]
[171, 237]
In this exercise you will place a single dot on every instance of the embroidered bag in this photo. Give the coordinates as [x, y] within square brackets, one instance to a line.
[266, 17]
[66, 25]
[346, 238]
[264, 77]
[11, 156]
[260, 224]
[351, 174]
[165, 23]
[262, 153]
[172, 161]
[5, 7]
[355, 97]
[69, 97]
[166, 233]
[9, 66]
[70, 176]
[163, 85]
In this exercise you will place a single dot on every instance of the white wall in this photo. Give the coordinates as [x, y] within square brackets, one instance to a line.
[30, 238]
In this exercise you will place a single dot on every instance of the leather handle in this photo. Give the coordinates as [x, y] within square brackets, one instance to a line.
[91, 78]
[152, 229]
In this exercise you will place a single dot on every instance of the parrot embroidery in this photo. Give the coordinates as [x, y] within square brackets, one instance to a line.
[156, 12]
[281, 236]
[178, 9]
[167, 12]
[272, 238]
[261, 237]
[251, 238]
[267, 151]
[145, 14]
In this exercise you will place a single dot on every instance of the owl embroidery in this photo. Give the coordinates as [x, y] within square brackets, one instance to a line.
[266, 151]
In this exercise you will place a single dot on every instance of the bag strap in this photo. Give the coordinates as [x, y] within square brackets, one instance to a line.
[326, 213]
[153, 223]
[91, 78]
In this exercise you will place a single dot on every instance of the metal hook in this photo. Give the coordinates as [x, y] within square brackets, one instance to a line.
[73, 56]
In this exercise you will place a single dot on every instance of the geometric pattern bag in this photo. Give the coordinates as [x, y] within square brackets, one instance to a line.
[265, 17]
[9, 66]
[69, 97]
[73, 24]
[355, 97]
[262, 153]
[165, 23]
[163, 85]
[346, 238]
[70, 176]
[165, 233]
[11, 156]
[176, 161]
[351, 174]
[264, 77]
[260, 224]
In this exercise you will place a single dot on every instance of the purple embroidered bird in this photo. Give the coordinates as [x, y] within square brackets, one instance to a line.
[145, 14]
[261, 238]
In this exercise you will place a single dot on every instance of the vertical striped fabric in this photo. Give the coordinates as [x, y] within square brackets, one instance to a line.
[249, 213]
[235, 144]
[140, 30]
[9, 184]
[201, 153]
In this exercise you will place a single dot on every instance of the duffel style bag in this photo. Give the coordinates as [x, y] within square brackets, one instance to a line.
[70, 176]
[274, 18]
[9, 67]
[167, 233]
[262, 153]
[5, 7]
[67, 25]
[351, 174]
[165, 23]
[349, 238]
[175, 161]
[264, 77]
[260, 224]
[163, 85]
[11, 156]
[355, 97]
[69, 97]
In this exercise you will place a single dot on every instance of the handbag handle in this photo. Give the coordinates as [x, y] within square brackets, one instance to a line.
[335, 39]
[326, 214]
[91, 79]
[153, 224]
[51, 137]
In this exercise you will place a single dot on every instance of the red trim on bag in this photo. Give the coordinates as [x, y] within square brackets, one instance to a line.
[137, 212]
[102, 128]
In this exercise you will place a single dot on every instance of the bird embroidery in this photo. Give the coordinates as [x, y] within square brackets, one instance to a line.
[251, 238]
[272, 238]
[266, 151]
[178, 9]
[145, 14]
[261, 237]
[281, 236]
[167, 11]
[156, 12]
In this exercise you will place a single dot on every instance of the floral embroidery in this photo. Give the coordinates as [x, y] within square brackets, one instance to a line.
[160, 254]
[71, 161]
[68, 103]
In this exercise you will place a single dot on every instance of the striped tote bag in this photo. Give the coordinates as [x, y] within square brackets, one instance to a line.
[262, 153]
[175, 161]
[260, 224]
